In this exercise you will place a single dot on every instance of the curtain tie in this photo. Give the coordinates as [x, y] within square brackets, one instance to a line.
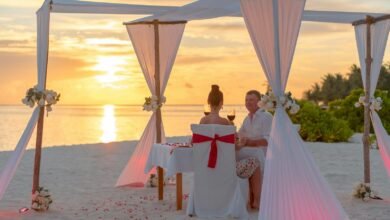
[198, 138]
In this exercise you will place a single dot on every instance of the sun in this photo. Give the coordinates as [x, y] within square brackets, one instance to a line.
[110, 66]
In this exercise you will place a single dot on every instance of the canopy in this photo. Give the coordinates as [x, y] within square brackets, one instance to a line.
[197, 10]
[275, 52]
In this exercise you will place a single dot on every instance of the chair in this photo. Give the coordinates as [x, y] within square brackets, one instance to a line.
[216, 190]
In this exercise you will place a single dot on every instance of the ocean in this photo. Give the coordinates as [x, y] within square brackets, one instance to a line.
[72, 125]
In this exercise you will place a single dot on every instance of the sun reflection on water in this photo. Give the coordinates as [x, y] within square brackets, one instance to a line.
[108, 124]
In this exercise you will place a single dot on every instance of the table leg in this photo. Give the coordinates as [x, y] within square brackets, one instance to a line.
[160, 174]
[179, 191]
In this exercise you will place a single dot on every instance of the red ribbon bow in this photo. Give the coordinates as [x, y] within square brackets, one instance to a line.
[197, 138]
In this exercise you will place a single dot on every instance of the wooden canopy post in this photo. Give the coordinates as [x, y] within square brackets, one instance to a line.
[38, 143]
[160, 171]
[367, 121]
[38, 150]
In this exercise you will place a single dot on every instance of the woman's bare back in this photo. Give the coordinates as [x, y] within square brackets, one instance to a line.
[214, 119]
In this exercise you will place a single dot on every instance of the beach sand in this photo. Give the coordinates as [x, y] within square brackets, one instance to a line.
[81, 180]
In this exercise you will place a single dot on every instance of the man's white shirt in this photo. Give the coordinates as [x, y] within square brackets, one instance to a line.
[257, 127]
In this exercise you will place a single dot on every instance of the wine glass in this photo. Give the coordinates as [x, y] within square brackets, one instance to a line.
[231, 115]
[206, 109]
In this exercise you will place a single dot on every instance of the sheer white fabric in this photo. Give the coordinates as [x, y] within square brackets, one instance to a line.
[43, 24]
[43, 20]
[379, 36]
[383, 140]
[70, 6]
[293, 187]
[10, 168]
[142, 37]
[133, 174]
[216, 192]
[197, 10]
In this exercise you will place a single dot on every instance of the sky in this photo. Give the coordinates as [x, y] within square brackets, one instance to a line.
[92, 61]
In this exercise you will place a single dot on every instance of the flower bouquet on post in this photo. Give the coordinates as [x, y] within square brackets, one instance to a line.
[41, 200]
[152, 103]
[45, 98]
[270, 101]
[363, 191]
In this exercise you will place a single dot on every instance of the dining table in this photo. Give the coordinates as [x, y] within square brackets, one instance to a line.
[172, 159]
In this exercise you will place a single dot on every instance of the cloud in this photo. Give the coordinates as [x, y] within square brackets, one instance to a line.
[197, 59]
[188, 85]
[310, 29]
[14, 43]
[212, 51]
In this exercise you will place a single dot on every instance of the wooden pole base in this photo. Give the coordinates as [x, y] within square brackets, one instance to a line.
[38, 150]
[160, 173]
[179, 191]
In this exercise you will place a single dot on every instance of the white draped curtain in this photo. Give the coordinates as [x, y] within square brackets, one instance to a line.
[8, 172]
[143, 39]
[379, 36]
[293, 187]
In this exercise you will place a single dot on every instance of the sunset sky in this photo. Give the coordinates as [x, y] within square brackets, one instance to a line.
[92, 61]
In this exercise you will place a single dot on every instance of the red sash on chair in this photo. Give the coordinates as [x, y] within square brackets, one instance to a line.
[198, 138]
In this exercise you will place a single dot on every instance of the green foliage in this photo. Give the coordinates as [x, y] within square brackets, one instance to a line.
[336, 86]
[345, 109]
[320, 125]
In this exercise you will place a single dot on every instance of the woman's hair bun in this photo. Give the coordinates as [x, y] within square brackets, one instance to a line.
[214, 88]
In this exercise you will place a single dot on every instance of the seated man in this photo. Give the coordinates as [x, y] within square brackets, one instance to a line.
[254, 132]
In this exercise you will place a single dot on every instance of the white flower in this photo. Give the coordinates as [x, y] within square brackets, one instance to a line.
[294, 109]
[361, 99]
[377, 105]
[288, 104]
[44, 193]
[357, 104]
[154, 98]
[154, 106]
[25, 101]
[41, 102]
[50, 98]
[269, 105]
[261, 104]
[282, 99]
[147, 108]
[35, 206]
[163, 99]
[31, 103]
[48, 108]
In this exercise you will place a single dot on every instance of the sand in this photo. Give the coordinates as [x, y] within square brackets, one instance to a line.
[81, 180]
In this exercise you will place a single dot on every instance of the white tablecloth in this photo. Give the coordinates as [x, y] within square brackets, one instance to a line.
[181, 158]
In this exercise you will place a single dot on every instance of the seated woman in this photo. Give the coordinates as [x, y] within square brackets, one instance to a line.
[245, 168]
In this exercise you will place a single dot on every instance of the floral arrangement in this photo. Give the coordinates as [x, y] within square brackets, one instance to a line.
[269, 102]
[152, 103]
[375, 103]
[152, 181]
[363, 191]
[45, 98]
[41, 200]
